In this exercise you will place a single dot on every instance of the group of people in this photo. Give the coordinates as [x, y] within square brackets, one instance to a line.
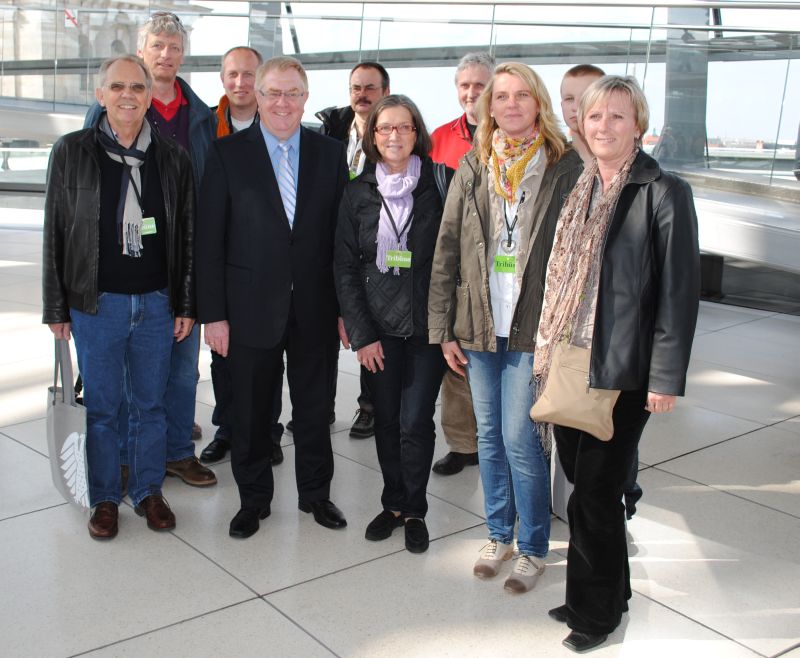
[456, 261]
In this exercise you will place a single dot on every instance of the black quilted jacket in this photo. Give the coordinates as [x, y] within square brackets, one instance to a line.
[375, 304]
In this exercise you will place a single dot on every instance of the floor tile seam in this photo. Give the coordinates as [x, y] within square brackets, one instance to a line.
[730, 438]
[785, 652]
[336, 572]
[161, 628]
[354, 461]
[743, 322]
[34, 511]
[728, 493]
[698, 623]
[458, 507]
[299, 626]
[364, 562]
[712, 445]
[730, 415]
[755, 374]
[24, 445]
[213, 561]
[563, 554]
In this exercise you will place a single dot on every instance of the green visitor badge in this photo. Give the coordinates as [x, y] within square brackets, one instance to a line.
[397, 258]
[505, 264]
[148, 225]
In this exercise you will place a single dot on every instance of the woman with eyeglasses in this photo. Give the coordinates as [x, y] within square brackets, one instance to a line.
[485, 297]
[388, 222]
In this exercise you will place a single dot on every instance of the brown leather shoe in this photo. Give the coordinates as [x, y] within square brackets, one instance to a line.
[191, 471]
[197, 432]
[159, 515]
[103, 522]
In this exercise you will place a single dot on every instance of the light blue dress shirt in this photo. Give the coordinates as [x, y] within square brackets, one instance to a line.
[273, 148]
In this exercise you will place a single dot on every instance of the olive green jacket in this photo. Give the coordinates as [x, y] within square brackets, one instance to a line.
[459, 302]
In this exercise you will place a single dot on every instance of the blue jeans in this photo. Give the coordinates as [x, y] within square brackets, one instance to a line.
[514, 472]
[129, 338]
[179, 399]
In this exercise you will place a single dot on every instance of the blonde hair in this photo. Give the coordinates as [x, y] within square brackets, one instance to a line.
[601, 89]
[554, 140]
[281, 63]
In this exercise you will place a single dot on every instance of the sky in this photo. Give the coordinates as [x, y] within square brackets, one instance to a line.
[745, 98]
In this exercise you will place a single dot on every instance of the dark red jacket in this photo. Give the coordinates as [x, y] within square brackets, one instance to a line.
[451, 142]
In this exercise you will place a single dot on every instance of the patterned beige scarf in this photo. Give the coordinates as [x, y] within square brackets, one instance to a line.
[578, 243]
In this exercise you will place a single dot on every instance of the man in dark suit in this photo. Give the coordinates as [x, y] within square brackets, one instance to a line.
[265, 231]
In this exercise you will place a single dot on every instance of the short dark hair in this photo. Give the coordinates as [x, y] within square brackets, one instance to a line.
[372, 65]
[584, 69]
[422, 145]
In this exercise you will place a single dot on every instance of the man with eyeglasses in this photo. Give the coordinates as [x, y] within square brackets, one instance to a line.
[268, 209]
[369, 82]
[118, 275]
[176, 112]
[451, 142]
[237, 110]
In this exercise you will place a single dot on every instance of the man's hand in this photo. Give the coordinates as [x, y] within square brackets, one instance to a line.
[60, 329]
[217, 336]
[342, 333]
[371, 356]
[455, 357]
[183, 327]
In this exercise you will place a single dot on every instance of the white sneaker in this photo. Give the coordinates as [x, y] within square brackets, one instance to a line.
[527, 569]
[492, 556]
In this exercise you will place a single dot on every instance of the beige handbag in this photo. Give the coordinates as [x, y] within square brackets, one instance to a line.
[567, 399]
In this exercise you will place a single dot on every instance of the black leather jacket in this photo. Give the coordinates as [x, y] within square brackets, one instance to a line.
[72, 220]
[374, 304]
[649, 288]
[336, 122]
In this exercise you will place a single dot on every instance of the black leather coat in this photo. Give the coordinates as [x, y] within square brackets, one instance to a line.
[374, 304]
[72, 226]
[649, 288]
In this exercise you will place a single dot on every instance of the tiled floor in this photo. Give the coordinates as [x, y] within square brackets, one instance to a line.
[715, 547]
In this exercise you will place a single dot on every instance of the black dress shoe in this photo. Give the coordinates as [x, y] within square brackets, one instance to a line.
[454, 462]
[382, 526]
[215, 451]
[277, 454]
[416, 536]
[245, 523]
[325, 513]
[580, 642]
[560, 614]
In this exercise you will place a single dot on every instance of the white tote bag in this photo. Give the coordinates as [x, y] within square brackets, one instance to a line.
[66, 432]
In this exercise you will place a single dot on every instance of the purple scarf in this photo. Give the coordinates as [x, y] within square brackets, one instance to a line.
[395, 189]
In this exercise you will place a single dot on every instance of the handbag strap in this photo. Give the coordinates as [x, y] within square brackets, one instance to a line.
[63, 363]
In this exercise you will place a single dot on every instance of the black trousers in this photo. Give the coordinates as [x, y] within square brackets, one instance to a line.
[255, 375]
[223, 397]
[404, 397]
[598, 575]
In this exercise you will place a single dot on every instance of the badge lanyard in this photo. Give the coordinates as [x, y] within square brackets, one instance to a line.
[509, 245]
[128, 170]
[398, 234]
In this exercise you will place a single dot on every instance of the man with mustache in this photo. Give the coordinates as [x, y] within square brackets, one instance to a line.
[369, 82]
